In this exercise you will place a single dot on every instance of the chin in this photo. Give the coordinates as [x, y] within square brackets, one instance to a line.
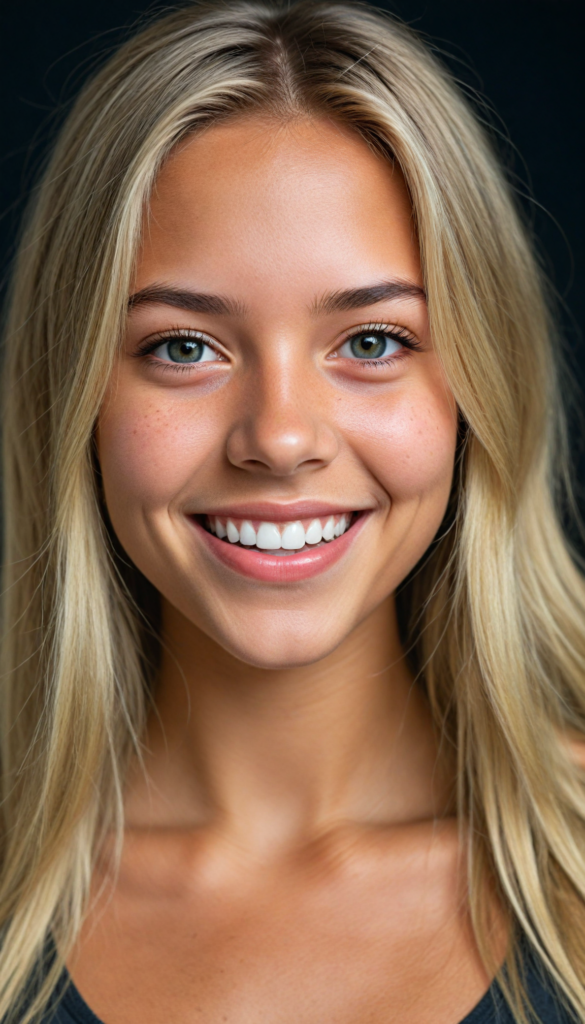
[280, 641]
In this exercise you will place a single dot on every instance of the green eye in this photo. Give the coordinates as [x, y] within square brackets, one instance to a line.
[185, 350]
[372, 345]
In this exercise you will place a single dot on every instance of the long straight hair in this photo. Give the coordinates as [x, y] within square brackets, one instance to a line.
[494, 614]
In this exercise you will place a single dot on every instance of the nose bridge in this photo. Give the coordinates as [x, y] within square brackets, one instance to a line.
[281, 426]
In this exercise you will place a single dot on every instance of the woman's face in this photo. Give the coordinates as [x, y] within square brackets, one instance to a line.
[277, 386]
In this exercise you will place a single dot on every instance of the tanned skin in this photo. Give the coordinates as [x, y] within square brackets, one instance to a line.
[289, 854]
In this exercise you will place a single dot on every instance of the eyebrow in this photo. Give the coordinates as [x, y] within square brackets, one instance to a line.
[218, 305]
[353, 298]
[183, 298]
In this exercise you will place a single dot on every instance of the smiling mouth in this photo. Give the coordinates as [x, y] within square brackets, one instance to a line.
[282, 539]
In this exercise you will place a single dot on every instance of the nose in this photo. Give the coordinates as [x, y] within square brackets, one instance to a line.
[281, 427]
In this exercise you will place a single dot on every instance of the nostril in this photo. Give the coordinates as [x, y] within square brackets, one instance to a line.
[254, 464]
[258, 465]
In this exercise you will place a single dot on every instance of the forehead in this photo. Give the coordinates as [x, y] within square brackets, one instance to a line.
[256, 202]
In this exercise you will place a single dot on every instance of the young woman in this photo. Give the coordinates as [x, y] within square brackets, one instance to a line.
[293, 700]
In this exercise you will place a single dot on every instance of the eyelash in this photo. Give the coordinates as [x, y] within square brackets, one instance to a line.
[399, 334]
[145, 349]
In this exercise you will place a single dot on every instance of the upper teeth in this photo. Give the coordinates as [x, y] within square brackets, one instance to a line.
[273, 536]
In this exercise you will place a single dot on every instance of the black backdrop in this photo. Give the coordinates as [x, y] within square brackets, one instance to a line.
[524, 57]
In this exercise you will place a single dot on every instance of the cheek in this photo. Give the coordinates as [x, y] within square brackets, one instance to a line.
[408, 443]
[149, 449]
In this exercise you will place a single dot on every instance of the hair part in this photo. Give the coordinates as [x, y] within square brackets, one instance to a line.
[494, 613]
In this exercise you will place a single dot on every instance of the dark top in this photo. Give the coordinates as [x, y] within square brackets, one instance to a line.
[492, 1009]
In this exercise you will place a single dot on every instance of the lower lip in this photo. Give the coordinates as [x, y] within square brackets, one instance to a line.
[261, 565]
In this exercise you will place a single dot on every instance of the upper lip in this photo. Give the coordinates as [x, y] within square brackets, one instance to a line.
[278, 513]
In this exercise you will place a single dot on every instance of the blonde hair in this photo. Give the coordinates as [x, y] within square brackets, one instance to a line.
[496, 611]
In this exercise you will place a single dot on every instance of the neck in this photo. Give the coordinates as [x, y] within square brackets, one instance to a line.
[279, 755]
